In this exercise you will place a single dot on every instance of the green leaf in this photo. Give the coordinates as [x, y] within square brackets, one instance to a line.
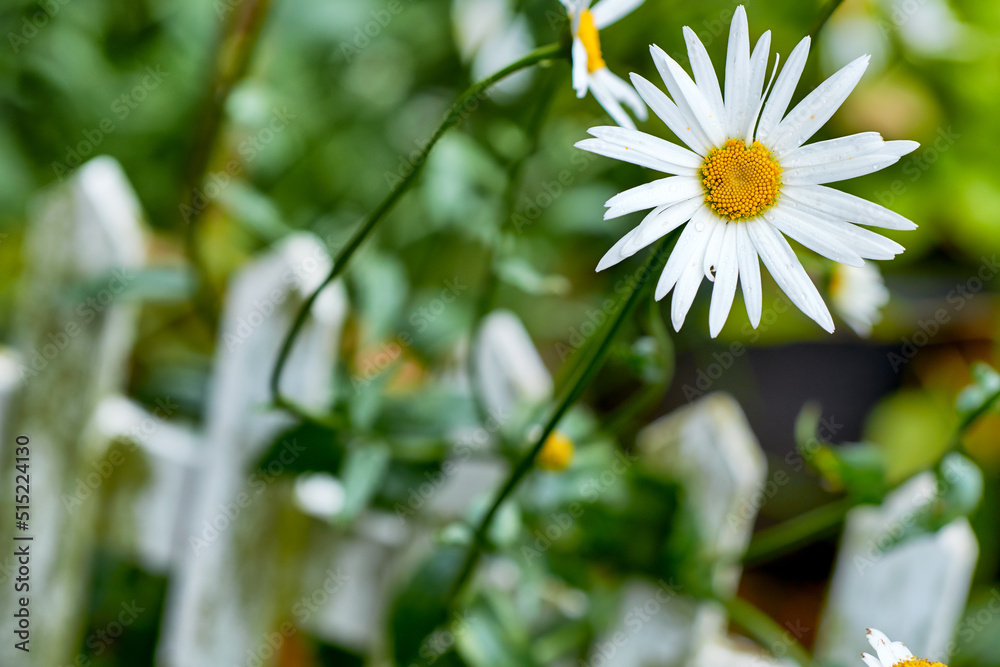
[362, 473]
[421, 607]
[981, 395]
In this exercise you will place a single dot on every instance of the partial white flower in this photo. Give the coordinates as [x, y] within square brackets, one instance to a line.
[491, 36]
[859, 294]
[891, 654]
[746, 181]
[590, 72]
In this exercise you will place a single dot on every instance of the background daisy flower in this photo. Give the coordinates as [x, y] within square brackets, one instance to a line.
[858, 294]
[892, 654]
[745, 180]
[590, 72]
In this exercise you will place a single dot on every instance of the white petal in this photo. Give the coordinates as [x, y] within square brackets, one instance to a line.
[812, 113]
[689, 281]
[749, 275]
[787, 271]
[864, 242]
[834, 150]
[616, 254]
[661, 192]
[871, 660]
[684, 161]
[712, 252]
[606, 12]
[881, 644]
[738, 73]
[660, 222]
[751, 126]
[691, 243]
[633, 155]
[727, 271]
[704, 74]
[580, 74]
[784, 88]
[606, 98]
[839, 171]
[622, 91]
[899, 652]
[689, 98]
[812, 235]
[758, 68]
[847, 207]
[668, 112]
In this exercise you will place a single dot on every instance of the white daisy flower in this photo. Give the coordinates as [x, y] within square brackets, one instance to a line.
[859, 294]
[892, 654]
[746, 181]
[590, 72]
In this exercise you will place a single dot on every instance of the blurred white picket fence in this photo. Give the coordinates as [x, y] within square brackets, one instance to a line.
[249, 563]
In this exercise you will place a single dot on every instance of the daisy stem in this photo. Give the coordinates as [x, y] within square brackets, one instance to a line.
[765, 631]
[793, 533]
[233, 53]
[597, 352]
[465, 105]
[805, 528]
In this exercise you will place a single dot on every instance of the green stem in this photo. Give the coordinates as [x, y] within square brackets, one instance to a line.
[765, 631]
[233, 53]
[574, 389]
[457, 112]
[652, 393]
[790, 535]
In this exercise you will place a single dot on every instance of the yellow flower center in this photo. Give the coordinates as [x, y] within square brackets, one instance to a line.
[741, 182]
[587, 32]
[917, 662]
[556, 453]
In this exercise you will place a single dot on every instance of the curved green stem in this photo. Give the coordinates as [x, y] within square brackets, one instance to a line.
[796, 532]
[788, 536]
[589, 368]
[765, 631]
[458, 111]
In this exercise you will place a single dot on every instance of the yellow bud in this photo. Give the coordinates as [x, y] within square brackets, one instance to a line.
[557, 452]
